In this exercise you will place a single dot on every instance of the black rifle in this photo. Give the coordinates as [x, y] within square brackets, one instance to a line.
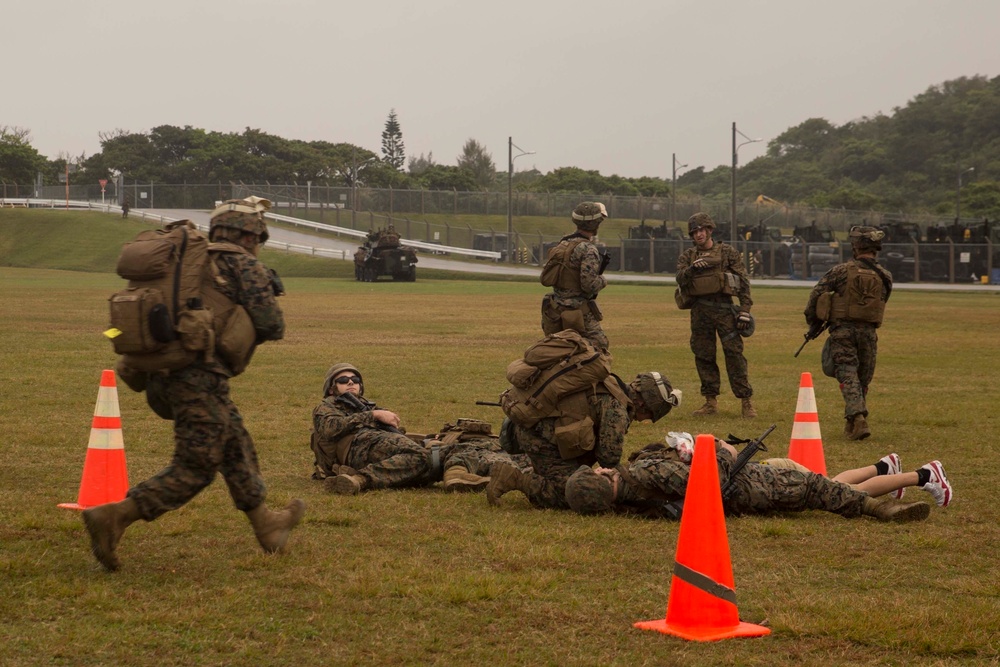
[815, 329]
[358, 403]
[675, 508]
[490, 403]
[605, 260]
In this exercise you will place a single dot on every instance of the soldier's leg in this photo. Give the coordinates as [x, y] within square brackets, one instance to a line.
[201, 431]
[773, 489]
[736, 363]
[867, 350]
[703, 347]
[594, 332]
[545, 486]
[845, 359]
[389, 460]
[240, 467]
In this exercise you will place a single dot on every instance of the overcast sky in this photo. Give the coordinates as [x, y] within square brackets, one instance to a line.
[612, 86]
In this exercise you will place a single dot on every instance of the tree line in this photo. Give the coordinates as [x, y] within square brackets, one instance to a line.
[913, 159]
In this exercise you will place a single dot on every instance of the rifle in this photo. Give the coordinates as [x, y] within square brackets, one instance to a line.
[490, 403]
[362, 405]
[815, 329]
[675, 508]
[605, 260]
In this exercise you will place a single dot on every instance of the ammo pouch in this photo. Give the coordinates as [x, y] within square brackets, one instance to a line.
[235, 342]
[574, 428]
[829, 369]
[683, 301]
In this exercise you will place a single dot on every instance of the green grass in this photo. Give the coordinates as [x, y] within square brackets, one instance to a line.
[419, 577]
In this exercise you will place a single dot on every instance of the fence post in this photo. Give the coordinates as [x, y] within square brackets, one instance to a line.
[916, 262]
[447, 234]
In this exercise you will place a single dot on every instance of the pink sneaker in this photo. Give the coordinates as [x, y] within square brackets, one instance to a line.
[938, 485]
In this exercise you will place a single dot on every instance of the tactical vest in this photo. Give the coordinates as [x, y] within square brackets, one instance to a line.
[862, 297]
[557, 271]
[715, 280]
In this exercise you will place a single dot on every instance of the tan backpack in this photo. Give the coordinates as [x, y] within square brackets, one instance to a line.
[555, 367]
[159, 321]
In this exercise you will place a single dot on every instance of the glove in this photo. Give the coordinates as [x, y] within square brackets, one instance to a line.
[276, 284]
[743, 320]
[705, 262]
[605, 260]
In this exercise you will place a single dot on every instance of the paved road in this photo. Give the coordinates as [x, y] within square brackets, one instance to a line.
[328, 246]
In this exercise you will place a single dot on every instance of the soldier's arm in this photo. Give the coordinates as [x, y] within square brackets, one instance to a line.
[611, 432]
[256, 294]
[332, 422]
[591, 280]
[684, 268]
[832, 281]
[733, 263]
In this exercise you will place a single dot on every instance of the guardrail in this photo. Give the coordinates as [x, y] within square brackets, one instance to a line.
[357, 233]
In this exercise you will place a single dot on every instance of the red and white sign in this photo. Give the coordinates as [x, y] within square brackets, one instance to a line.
[103, 182]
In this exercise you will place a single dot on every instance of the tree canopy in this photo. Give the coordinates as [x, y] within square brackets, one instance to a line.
[909, 160]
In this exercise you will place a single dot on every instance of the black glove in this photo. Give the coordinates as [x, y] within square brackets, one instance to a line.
[276, 284]
[605, 260]
[743, 320]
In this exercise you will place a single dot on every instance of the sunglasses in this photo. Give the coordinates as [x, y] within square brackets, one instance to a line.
[348, 378]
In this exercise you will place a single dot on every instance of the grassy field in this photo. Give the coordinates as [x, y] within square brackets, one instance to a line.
[420, 577]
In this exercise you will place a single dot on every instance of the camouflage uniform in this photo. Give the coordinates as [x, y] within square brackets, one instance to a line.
[586, 259]
[853, 344]
[546, 485]
[656, 475]
[716, 315]
[209, 435]
[387, 459]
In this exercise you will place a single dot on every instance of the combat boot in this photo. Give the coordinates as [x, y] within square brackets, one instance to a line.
[272, 528]
[457, 480]
[849, 427]
[748, 411]
[860, 430]
[886, 509]
[503, 478]
[710, 408]
[345, 485]
[106, 525]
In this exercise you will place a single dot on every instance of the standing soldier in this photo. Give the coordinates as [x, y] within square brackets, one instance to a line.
[852, 297]
[710, 274]
[574, 270]
[209, 436]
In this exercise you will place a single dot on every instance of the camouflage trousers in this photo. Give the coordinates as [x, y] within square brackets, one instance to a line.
[761, 489]
[209, 437]
[854, 347]
[559, 314]
[708, 320]
[546, 483]
[391, 460]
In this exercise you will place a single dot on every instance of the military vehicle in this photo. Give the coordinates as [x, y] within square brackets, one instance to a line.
[658, 246]
[382, 255]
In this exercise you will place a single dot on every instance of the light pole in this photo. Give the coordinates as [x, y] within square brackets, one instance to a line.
[958, 195]
[510, 191]
[673, 189]
[732, 207]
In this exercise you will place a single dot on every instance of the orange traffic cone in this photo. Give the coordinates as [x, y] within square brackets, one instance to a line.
[105, 478]
[806, 446]
[702, 602]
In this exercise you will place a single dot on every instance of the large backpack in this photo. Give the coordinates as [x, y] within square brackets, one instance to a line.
[160, 322]
[558, 365]
[556, 272]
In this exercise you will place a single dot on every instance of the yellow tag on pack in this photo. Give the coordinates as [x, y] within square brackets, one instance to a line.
[113, 333]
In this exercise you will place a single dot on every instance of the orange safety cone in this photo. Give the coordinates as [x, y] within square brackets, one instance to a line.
[702, 602]
[806, 446]
[105, 478]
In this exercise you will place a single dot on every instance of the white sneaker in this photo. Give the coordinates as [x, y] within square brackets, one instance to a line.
[938, 485]
[895, 467]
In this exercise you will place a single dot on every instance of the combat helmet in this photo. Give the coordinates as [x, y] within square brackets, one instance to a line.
[698, 221]
[589, 492]
[655, 391]
[866, 238]
[336, 370]
[589, 215]
[244, 214]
